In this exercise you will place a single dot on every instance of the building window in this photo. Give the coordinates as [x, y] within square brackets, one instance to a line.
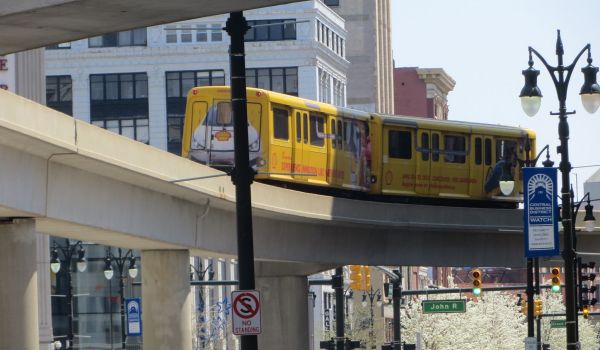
[271, 30]
[324, 86]
[135, 37]
[178, 86]
[332, 2]
[59, 94]
[200, 33]
[283, 80]
[61, 46]
[136, 129]
[119, 102]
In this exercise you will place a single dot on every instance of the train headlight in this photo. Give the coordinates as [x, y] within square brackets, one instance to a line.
[261, 162]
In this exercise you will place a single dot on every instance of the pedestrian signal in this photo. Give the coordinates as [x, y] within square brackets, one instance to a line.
[476, 277]
[356, 277]
[555, 271]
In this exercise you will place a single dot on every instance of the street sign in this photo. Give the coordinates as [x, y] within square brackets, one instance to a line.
[444, 306]
[246, 312]
[558, 323]
[530, 343]
[540, 212]
[133, 311]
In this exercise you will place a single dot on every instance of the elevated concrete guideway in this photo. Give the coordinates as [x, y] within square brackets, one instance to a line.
[80, 181]
[27, 24]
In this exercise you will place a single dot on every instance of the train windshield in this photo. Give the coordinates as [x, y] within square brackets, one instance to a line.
[219, 115]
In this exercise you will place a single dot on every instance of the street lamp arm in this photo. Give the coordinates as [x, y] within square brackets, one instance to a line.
[551, 69]
[391, 274]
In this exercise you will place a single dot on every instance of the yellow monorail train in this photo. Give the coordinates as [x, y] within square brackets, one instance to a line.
[313, 145]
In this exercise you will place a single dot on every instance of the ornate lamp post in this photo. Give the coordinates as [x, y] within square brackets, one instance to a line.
[371, 295]
[120, 262]
[69, 251]
[531, 101]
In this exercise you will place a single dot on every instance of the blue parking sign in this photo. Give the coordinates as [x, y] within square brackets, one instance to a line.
[133, 310]
[540, 212]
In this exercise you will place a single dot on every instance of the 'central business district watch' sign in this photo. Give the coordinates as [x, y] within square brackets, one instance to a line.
[540, 212]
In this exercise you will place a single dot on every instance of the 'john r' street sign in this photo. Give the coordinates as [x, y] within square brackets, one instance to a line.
[541, 211]
[443, 306]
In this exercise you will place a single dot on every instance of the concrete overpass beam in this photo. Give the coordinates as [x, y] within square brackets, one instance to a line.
[284, 312]
[19, 292]
[166, 300]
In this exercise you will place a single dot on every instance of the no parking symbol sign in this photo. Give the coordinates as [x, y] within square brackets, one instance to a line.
[246, 312]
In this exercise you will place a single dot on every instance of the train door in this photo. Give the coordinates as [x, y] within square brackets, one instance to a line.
[435, 163]
[280, 143]
[298, 146]
[317, 150]
[334, 149]
[477, 168]
[423, 161]
[398, 165]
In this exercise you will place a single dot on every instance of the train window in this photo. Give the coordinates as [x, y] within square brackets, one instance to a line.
[298, 127]
[454, 149]
[333, 141]
[338, 136]
[281, 124]
[425, 146]
[504, 148]
[400, 144]
[488, 152]
[478, 151]
[305, 124]
[435, 147]
[317, 130]
[224, 114]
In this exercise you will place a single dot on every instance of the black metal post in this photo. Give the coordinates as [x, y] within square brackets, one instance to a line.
[396, 300]
[242, 175]
[538, 320]
[529, 292]
[561, 83]
[69, 271]
[338, 287]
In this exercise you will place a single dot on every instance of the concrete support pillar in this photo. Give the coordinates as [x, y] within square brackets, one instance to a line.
[19, 292]
[284, 313]
[166, 300]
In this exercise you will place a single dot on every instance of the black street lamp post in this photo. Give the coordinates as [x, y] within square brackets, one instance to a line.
[242, 174]
[120, 262]
[68, 251]
[531, 101]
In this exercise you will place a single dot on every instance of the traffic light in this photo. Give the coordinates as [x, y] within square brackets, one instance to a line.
[537, 308]
[367, 274]
[555, 271]
[476, 277]
[356, 277]
[524, 307]
[585, 311]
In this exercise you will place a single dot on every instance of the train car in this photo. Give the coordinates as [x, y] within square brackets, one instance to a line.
[315, 146]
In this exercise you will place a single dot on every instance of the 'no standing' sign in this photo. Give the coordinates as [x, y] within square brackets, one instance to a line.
[246, 312]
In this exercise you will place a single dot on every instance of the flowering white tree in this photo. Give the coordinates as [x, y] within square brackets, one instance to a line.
[556, 337]
[493, 321]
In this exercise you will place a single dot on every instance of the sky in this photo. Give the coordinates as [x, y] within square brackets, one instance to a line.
[483, 45]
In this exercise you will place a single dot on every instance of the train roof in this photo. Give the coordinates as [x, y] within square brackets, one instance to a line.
[411, 121]
[458, 125]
